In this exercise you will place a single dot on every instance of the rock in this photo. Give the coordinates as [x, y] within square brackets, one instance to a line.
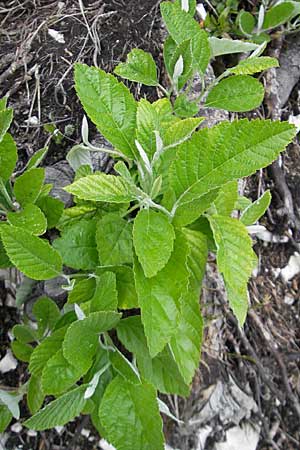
[60, 175]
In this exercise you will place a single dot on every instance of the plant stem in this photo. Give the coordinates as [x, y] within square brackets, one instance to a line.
[133, 208]
[164, 90]
[6, 195]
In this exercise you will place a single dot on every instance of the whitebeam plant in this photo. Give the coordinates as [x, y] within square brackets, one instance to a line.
[137, 239]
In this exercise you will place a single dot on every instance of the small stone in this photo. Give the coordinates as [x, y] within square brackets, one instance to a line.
[85, 432]
[288, 300]
[31, 433]
[16, 427]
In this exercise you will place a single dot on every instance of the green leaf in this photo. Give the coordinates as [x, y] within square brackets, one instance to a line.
[82, 291]
[153, 239]
[278, 15]
[227, 46]
[159, 296]
[37, 158]
[257, 209]
[123, 367]
[114, 112]
[139, 67]
[83, 171]
[5, 417]
[35, 394]
[161, 371]
[47, 314]
[59, 411]
[181, 131]
[79, 156]
[21, 351]
[24, 334]
[45, 350]
[3, 103]
[8, 156]
[226, 199]
[114, 240]
[148, 121]
[52, 208]
[106, 296]
[4, 259]
[102, 188]
[238, 93]
[59, 375]
[11, 400]
[128, 424]
[186, 343]
[28, 186]
[77, 245]
[236, 261]
[238, 148]
[184, 107]
[182, 27]
[24, 290]
[30, 254]
[246, 22]
[172, 53]
[6, 117]
[81, 340]
[30, 218]
[242, 203]
[127, 296]
[253, 65]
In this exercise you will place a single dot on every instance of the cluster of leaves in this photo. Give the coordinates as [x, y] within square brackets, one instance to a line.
[256, 24]
[138, 239]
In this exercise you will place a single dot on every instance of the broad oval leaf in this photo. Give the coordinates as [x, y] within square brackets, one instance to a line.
[37, 158]
[77, 245]
[238, 148]
[46, 313]
[257, 209]
[226, 199]
[5, 417]
[246, 22]
[28, 186]
[227, 46]
[161, 371]
[31, 255]
[186, 343]
[79, 156]
[45, 350]
[8, 156]
[114, 240]
[6, 117]
[100, 187]
[35, 394]
[253, 65]
[159, 299]
[278, 15]
[81, 340]
[238, 93]
[182, 27]
[59, 375]
[109, 104]
[59, 411]
[236, 261]
[139, 67]
[105, 297]
[123, 404]
[153, 239]
[31, 218]
[52, 209]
